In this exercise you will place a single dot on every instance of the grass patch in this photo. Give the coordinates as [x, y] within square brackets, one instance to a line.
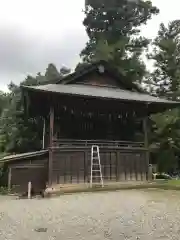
[158, 184]
[4, 191]
[106, 188]
[173, 182]
[167, 184]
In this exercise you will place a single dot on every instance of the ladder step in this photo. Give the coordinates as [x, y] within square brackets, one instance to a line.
[96, 176]
[95, 161]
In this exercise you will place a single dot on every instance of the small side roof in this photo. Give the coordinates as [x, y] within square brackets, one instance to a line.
[14, 157]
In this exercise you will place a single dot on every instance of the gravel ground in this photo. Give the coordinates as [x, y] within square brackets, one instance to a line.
[129, 214]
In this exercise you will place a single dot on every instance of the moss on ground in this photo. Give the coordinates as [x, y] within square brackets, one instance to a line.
[158, 184]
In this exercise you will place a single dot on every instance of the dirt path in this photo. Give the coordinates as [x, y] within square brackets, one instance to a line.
[129, 214]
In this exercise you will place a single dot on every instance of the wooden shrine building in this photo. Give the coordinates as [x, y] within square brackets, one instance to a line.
[95, 106]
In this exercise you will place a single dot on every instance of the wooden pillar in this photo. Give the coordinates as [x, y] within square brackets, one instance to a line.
[44, 131]
[146, 143]
[9, 178]
[51, 144]
[145, 128]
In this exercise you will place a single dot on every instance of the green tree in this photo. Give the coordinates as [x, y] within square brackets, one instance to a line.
[165, 81]
[52, 72]
[17, 133]
[3, 101]
[64, 71]
[113, 28]
[80, 66]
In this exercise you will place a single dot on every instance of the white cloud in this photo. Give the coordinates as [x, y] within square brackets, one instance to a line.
[43, 17]
[34, 33]
[169, 10]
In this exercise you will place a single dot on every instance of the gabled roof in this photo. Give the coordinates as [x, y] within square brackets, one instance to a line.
[99, 92]
[131, 92]
[109, 69]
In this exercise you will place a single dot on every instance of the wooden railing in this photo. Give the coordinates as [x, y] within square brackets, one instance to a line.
[69, 143]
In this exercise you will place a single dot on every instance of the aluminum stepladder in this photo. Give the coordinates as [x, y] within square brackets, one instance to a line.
[95, 165]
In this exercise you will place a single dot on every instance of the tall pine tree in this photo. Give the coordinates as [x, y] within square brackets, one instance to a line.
[113, 28]
[165, 81]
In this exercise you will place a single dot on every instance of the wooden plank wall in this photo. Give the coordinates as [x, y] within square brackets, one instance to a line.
[21, 176]
[30, 169]
[73, 166]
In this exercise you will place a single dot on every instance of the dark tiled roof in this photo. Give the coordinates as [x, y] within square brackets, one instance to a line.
[99, 92]
[93, 67]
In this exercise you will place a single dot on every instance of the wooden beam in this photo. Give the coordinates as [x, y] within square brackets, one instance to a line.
[145, 129]
[51, 125]
[9, 178]
[51, 144]
[28, 166]
[146, 142]
[44, 131]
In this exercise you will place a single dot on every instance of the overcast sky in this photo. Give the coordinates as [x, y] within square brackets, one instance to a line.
[34, 33]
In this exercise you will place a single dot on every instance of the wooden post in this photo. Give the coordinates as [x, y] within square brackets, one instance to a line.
[44, 130]
[9, 178]
[51, 144]
[146, 143]
[145, 128]
[29, 190]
